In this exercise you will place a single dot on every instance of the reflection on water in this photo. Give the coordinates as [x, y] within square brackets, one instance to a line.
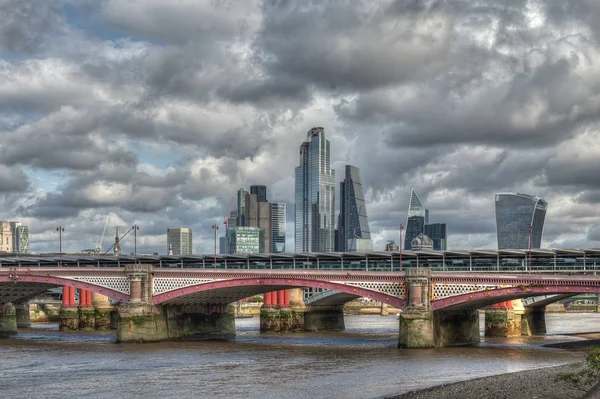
[361, 362]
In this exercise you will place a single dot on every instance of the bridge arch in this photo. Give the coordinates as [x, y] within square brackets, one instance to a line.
[255, 286]
[481, 299]
[27, 286]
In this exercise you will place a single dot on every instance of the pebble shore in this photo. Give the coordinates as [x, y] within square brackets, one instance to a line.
[534, 384]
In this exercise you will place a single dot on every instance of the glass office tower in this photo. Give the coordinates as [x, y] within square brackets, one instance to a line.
[415, 223]
[437, 233]
[515, 212]
[353, 222]
[278, 222]
[315, 195]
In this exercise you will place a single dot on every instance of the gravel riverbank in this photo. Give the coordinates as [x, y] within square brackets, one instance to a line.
[539, 383]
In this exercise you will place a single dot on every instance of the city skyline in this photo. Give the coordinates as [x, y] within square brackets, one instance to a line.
[105, 112]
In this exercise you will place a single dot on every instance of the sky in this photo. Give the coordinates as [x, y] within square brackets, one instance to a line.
[155, 112]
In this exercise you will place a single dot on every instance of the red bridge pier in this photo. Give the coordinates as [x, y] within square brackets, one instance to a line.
[282, 311]
[68, 314]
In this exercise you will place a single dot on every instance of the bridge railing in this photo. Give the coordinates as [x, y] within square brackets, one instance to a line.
[434, 262]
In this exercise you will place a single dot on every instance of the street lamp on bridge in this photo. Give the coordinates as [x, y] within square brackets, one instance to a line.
[215, 227]
[529, 261]
[135, 228]
[60, 230]
[400, 245]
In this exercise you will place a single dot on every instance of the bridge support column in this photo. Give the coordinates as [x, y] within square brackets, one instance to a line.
[279, 315]
[23, 316]
[269, 313]
[200, 322]
[534, 320]
[8, 320]
[139, 320]
[295, 299]
[324, 318]
[87, 314]
[102, 308]
[68, 314]
[416, 329]
[501, 321]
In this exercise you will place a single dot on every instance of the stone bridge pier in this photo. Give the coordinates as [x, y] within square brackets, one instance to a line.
[422, 327]
[8, 319]
[139, 320]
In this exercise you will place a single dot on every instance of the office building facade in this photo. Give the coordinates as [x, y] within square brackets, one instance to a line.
[515, 213]
[278, 225]
[438, 234]
[353, 231]
[314, 210]
[179, 241]
[246, 240]
[6, 237]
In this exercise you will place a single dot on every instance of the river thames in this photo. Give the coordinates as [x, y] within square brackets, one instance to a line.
[360, 362]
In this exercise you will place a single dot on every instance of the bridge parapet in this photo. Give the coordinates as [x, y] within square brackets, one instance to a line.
[418, 288]
[140, 282]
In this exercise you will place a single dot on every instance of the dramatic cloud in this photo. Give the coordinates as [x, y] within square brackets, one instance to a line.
[156, 112]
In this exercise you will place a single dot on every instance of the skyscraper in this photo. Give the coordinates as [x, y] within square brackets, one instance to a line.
[437, 233]
[353, 222]
[260, 191]
[22, 239]
[278, 222]
[515, 212]
[314, 210]
[415, 222]
[179, 241]
[242, 207]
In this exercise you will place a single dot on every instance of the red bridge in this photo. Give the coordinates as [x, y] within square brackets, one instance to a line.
[439, 308]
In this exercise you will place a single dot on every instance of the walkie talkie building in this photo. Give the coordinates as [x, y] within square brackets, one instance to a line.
[515, 212]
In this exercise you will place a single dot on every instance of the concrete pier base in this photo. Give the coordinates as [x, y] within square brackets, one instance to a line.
[140, 323]
[535, 320]
[324, 318]
[68, 318]
[281, 319]
[8, 320]
[456, 327]
[87, 318]
[23, 315]
[500, 322]
[190, 322]
[269, 319]
[416, 329]
[103, 310]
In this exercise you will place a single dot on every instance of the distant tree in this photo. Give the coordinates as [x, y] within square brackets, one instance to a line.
[590, 375]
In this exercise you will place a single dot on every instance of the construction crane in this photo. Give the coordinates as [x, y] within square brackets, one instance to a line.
[99, 242]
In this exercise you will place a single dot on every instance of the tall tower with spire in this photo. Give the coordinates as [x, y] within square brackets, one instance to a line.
[117, 247]
[417, 218]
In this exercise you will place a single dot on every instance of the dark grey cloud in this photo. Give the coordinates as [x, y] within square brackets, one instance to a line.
[13, 180]
[27, 26]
